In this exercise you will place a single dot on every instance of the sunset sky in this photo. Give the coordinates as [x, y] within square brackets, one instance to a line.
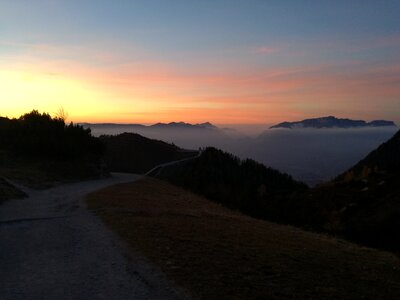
[223, 61]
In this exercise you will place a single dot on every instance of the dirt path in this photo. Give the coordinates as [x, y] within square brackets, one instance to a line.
[52, 247]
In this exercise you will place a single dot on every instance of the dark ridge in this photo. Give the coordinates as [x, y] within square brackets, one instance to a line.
[386, 158]
[333, 122]
[172, 125]
[111, 125]
[183, 125]
[133, 153]
[245, 185]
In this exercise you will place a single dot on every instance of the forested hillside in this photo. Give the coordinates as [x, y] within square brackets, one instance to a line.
[239, 184]
[362, 205]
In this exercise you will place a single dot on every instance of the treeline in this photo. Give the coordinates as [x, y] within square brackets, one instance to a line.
[245, 185]
[39, 150]
[42, 136]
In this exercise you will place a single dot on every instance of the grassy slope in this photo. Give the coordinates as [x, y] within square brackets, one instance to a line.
[218, 254]
[39, 173]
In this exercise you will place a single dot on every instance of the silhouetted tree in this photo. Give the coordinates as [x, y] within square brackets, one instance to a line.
[39, 135]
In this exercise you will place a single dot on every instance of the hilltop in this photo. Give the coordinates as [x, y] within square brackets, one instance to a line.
[333, 122]
[133, 153]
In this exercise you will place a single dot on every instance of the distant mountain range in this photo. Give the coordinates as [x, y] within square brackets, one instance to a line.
[323, 122]
[183, 125]
[312, 155]
[171, 125]
[333, 122]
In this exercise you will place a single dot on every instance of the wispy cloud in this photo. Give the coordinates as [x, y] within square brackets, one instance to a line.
[164, 90]
[265, 50]
[345, 45]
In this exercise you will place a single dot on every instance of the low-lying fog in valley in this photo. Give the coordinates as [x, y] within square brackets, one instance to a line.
[310, 155]
[315, 155]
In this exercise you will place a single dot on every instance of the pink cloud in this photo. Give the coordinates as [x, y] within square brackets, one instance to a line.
[350, 45]
[265, 50]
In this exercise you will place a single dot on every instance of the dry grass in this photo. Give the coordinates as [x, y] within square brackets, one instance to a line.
[215, 253]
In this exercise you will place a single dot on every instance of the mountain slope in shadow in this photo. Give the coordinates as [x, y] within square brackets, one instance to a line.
[362, 205]
[133, 153]
[244, 185]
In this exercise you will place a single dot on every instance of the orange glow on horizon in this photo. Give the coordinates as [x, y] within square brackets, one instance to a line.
[24, 91]
[149, 93]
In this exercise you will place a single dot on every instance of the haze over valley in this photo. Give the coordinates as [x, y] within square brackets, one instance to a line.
[312, 155]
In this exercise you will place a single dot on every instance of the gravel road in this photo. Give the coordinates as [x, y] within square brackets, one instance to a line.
[52, 247]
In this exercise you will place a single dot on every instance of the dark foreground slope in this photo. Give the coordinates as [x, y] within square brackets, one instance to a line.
[215, 253]
[133, 153]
